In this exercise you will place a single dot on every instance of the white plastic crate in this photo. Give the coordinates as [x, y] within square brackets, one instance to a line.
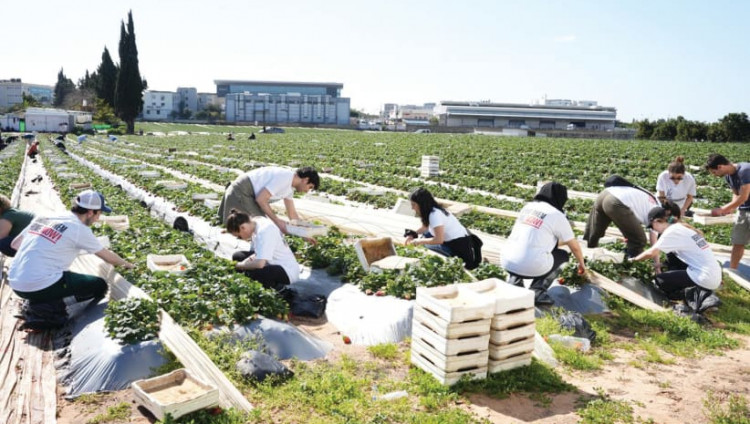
[174, 264]
[513, 319]
[455, 303]
[172, 184]
[447, 329]
[507, 297]
[205, 196]
[117, 222]
[445, 346]
[510, 335]
[509, 363]
[177, 393]
[713, 220]
[502, 352]
[450, 363]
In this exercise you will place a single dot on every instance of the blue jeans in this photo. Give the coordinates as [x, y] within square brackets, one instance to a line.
[439, 248]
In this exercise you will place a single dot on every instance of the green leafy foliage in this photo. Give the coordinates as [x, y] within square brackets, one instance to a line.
[132, 320]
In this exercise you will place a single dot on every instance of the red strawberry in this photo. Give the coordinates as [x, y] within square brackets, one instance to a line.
[562, 281]
[380, 293]
[347, 340]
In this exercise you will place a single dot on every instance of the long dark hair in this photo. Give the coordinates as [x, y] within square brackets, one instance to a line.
[426, 203]
[235, 219]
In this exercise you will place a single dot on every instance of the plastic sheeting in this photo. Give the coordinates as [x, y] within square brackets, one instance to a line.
[96, 363]
[213, 238]
[587, 299]
[369, 320]
[281, 340]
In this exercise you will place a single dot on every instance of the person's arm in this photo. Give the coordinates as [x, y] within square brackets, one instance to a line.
[686, 206]
[113, 258]
[738, 199]
[575, 247]
[647, 254]
[291, 211]
[263, 199]
[250, 263]
[5, 227]
[653, 236]
[437, 238]
[16, 243]
[661, 196]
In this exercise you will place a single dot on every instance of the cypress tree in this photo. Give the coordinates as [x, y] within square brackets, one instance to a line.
[107, 82]
[63, 87]
[129, 90]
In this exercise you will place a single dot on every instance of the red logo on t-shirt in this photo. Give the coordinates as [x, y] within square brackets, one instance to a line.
[52, 234]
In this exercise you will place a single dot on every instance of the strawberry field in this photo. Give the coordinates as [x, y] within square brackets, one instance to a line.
[374, 170]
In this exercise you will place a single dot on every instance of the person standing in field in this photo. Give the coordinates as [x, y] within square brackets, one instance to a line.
[253, 192]
[677, 186]
[737, 176]
[532, 249]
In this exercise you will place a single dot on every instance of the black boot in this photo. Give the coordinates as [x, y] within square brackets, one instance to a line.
[515, 280]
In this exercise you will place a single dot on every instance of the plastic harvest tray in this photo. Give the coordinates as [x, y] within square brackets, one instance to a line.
[177, 393]
[117, 222]
[306, 229]
[175, 264]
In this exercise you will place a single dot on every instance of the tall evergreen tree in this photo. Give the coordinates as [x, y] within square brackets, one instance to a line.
[107, 81]
[63, 87]
[129, 91]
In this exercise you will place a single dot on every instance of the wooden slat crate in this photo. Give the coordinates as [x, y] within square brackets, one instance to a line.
[455, 303]
[177, 393]
[450, 330]
[445, 346]
[523, 331]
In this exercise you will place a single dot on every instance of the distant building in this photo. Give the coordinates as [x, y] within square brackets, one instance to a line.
[158, 105]
[554, 114]
[387, 110]
[187, 97]
[46, 120]
[12, 91]
[410, 114]
[273, 102]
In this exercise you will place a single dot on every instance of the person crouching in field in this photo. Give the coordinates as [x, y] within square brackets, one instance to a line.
[12, 222]
[441, 231]
[531, 250]
[701, 274]
[272, 262]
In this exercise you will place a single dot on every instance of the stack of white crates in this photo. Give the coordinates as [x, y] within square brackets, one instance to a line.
[430, 166]
[512, 327]
[451, 332]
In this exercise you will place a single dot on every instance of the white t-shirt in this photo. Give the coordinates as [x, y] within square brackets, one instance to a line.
[278, 181]
[676, 192]
[49, 246]
[637, 200]
[452, 228]
[692, 249]
[537, 231]
[270, 245]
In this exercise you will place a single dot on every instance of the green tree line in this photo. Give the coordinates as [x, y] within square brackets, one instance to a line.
[733, 127]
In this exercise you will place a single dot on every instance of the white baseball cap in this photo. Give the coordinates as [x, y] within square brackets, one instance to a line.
[93, 200]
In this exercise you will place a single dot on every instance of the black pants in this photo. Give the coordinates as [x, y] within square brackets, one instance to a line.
[270, 276]
[560, 257]
[674, 283]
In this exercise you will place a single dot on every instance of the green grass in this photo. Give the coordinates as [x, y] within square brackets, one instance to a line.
[731, 410]
[119, 412]
[387, 351]
[734, 312]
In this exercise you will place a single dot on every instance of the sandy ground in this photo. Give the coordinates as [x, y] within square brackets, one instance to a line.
[671, 393]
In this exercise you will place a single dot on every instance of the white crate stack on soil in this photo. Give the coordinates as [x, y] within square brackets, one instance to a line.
[451, 332]
[430, 166]
[512, 328]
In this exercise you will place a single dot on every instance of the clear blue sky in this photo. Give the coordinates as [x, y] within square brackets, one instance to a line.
[649, 59]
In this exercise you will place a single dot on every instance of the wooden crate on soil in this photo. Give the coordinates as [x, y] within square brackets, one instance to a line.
[507, 297]
[455, 303]
[512, 334]
[451, 330]
[450, 363]
[512, 350]
[376, 254]
[177, 393]
[508, 364]
[446, 377]
[449, 346]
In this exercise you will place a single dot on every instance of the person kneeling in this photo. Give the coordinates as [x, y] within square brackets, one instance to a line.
[272, 262]
[702, 275]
